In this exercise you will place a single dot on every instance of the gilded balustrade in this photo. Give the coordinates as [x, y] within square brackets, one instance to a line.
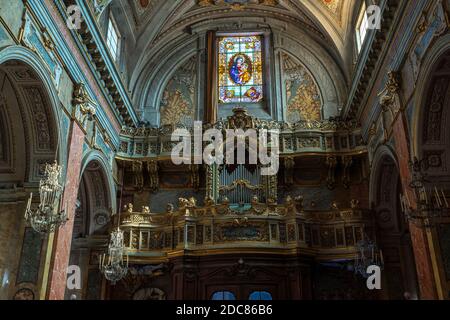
[326, 137]
[258, 227]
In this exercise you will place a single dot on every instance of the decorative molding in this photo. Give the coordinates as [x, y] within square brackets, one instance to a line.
[84, 107]
[331, 162]
[390, 101]
[42, 44]
[301, 137]
[347, 162]
[216, 227]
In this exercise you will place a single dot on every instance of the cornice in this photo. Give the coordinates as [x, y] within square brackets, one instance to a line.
[91, 41]
[371, 57]
[107, 117]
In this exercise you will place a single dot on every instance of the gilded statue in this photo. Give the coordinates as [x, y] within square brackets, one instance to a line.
[128, 208]
[145, 210]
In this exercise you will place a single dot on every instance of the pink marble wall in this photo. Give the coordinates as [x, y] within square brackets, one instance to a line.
[63, 238]
[420, 246]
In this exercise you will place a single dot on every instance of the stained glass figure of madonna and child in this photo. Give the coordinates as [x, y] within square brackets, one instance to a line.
[240, 69]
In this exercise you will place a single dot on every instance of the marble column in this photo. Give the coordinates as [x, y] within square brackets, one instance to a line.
[63, 237]
[422, 254]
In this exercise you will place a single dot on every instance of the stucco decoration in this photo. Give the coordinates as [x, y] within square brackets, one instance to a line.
[178, 101]
[236, 4]
[100, 6]
[334, 6]
[302, 94]
[27, 108]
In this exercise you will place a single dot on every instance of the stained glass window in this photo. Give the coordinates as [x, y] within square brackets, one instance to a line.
[240, 69]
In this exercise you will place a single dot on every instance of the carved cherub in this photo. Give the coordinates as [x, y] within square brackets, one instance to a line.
[145, 210]
[81, 98]
[240, 221]
[128, 208]
[169, 208]
[209, 201]
[354, 204]
[192, 202]
[183, 202]
[299, 203]
[334, 205]
[225, 201]
[289, 201]
[254, 200]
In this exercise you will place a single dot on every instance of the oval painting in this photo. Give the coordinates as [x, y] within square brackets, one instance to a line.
[240, 68]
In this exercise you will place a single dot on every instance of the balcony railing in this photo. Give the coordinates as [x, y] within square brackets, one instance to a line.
[257, 227]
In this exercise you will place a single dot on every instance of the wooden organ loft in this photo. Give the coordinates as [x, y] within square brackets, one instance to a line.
[194, 230]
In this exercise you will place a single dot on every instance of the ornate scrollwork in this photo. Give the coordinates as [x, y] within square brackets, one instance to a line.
[100, 6]
[390, 99]
[152, 168]
[138, 178]
[84, 105]
[347, 162]
[240, 182]
[331, 162]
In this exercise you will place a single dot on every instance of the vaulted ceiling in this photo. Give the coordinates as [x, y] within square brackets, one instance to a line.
[332, 16]
[149, 25]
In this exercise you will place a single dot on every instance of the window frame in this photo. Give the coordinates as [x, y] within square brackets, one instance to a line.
[263, 40]
[363, 20]
[112, 23]
[223, 293]
[259, 294]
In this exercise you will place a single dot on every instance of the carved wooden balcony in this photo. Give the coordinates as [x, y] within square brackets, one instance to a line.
[257, 227]
[332, 136]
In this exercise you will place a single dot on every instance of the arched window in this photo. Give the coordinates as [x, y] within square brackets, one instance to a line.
[260, 295]
[240, 69]
[223, 295]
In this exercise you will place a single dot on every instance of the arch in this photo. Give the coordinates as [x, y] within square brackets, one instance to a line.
[33, 125]
[260, 295]
[153, 78]
[98, 156]
[435, 53]
[31, 59]
[94, 208]
[223, 295]
[430, 137]
[178, 16]
[392, 229]
[289, 58]
[159, 82]
[149, 81]
[95, 176]
[381, 153]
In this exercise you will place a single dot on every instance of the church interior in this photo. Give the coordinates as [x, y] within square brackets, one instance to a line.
[352, 94]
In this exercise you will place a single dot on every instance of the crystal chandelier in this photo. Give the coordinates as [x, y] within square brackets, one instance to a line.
[432, 203]
[47, 217]
[368, 255]
[115, 267]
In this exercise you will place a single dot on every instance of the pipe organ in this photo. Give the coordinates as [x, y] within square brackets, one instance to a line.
[240, 183]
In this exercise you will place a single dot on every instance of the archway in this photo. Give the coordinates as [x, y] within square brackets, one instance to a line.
[432, 146]
[392, 229]
[91, 228]
[29, 131]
